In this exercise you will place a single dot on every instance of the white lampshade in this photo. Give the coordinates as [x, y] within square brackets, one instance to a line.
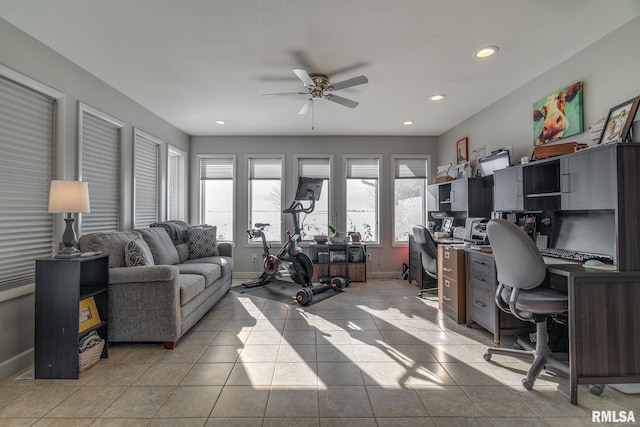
[69, 197]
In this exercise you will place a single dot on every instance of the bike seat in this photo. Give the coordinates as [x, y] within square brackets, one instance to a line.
[261, 224]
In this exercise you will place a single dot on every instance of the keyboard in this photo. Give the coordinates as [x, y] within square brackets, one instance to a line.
[575, 255]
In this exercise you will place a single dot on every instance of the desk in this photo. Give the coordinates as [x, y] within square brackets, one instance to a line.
[604, 324]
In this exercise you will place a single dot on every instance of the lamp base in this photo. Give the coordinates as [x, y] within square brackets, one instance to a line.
[68, 253]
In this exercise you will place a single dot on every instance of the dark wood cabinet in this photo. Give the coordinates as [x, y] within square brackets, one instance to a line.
[462, 198]
[588, 180]
[60, 286]
[342, 259]
[452, 295]
[481, 306]
[508, 192]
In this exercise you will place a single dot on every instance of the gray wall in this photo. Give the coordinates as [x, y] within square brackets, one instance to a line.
[609, 70]
[386, 261]
[29, 57]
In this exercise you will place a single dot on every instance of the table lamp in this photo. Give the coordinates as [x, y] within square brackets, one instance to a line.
[69, 197]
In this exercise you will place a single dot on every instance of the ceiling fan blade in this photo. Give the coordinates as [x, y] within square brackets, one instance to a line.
[307, 105]
[304, 76]
[342, 101]
[285, 94]
[360, 80]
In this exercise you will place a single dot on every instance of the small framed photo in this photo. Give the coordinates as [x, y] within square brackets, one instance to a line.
[462, 150]
[447, 224]
[619, 121]
[88, 314]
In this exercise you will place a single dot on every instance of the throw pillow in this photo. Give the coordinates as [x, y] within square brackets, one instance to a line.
[137, 254]
[202, 242]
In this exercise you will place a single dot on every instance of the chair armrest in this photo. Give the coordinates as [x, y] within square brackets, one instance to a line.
[146, 274]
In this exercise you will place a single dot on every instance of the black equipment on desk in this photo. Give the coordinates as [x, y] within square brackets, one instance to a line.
[583, 235]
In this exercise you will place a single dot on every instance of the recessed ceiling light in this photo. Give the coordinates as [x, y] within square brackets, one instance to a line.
[407, 123]
[221, 122]
[485, 52]
[438, 97]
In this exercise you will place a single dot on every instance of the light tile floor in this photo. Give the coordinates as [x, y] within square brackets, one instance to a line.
[375, 355]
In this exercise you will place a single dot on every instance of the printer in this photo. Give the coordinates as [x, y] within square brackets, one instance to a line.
[476, 231]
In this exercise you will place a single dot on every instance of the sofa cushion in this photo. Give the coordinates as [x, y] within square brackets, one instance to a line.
[203, 242]
[177, 230]
[162, 249]
[183, 251]
[111, 243]
[210, 272]
[191, 285]
[137, 254]
[225, 263]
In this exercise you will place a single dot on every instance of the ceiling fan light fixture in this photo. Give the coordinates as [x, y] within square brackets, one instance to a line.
[407, 123]
[221, 122]
[438, 97]
[486, 52]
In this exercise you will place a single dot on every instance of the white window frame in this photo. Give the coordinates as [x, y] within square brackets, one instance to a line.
[140, 136]
[201, 205]
[57, 162]
[84, 108]
[296, 168]
[281, 157]
[344, 221]
[394, 158]
[180, 189]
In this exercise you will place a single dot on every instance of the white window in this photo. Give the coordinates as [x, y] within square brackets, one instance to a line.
[362, 197]
[265, 195]
[26, 169]
[100, 141]
[176, 183]
[217, 190]
[146, 160]
[410, 186]
[317, 222]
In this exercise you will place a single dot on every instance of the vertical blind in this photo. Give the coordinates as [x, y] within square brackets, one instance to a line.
[101, 170]
[410, 168]
[145, 166]
[26, 169]
[362, 168]
[314, 168]
[216, 168]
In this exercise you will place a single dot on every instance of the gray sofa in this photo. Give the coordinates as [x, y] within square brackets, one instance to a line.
[162, 301]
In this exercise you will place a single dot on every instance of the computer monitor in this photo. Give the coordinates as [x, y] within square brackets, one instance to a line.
[585, 231]
[309, 188]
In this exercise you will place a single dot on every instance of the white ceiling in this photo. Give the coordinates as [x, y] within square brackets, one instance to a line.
[192, 62]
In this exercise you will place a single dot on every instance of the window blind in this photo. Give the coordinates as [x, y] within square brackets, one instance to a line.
[262, 168]
[146, 153]
[410, 168]
[362, 168]
[26, 169]
[314, 168]
[216, 168]
[101, 170]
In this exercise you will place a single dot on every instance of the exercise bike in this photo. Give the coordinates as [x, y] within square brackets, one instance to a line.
[290, 260]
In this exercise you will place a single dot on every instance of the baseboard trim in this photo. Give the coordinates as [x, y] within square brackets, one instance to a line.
[17, 363]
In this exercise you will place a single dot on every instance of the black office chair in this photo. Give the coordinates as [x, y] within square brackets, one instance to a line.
[521, 269]
[429, 252]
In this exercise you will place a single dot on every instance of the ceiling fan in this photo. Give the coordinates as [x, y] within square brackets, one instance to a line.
[318, 87]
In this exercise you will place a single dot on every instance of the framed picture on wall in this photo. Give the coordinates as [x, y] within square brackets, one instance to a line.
[619, 121]
[462, 150]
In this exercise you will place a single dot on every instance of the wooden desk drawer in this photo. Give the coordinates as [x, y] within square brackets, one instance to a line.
[450, 261]
[480, 268]
[450, 292]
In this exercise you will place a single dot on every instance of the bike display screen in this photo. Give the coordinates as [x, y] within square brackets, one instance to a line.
[309, 188]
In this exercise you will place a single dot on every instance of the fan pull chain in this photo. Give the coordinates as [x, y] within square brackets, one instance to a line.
[312, 116]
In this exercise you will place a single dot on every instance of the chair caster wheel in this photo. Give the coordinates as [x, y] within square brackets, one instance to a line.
[527, 383]
[596, 389]
[486, 356]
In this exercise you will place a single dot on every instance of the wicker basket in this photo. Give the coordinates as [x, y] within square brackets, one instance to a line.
[90, 356]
